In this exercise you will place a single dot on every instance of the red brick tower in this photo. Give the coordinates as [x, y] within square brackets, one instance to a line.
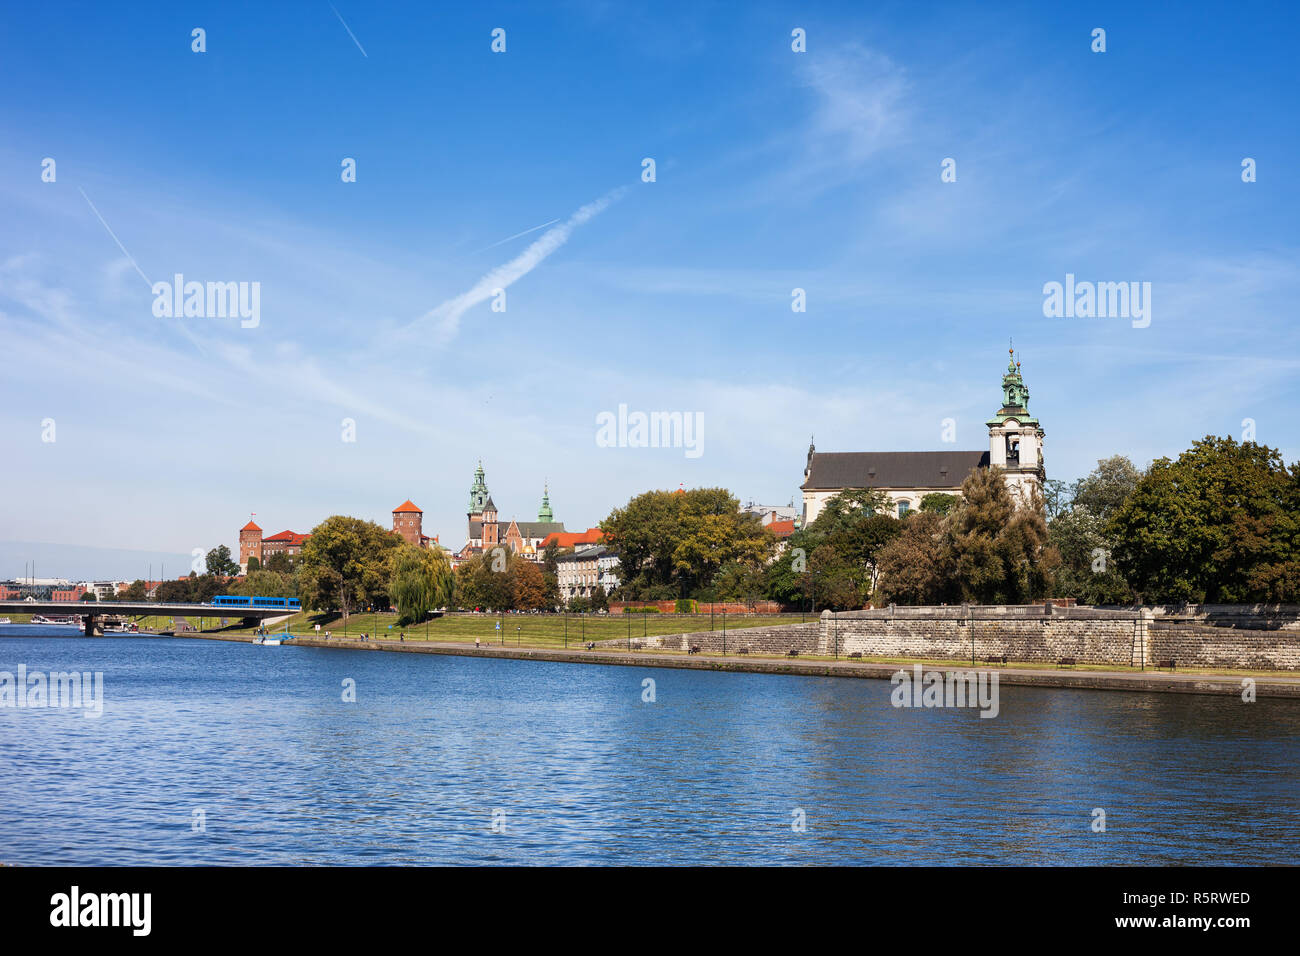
[250, 545]
[407, 519]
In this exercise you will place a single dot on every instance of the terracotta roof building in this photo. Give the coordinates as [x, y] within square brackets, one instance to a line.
[574, 539]
[253, 545]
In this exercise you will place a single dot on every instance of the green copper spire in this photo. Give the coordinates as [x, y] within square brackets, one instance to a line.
[545, 513]
[478, 492]
[1015, 396]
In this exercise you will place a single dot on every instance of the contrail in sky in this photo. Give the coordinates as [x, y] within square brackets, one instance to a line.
[446, 316]
[516, 236]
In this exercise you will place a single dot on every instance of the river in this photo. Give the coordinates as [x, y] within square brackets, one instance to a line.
[210, 752]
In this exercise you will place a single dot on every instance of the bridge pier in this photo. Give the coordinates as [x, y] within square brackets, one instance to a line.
[92, 628]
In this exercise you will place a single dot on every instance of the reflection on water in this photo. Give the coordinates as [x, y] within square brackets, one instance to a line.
[585, 772]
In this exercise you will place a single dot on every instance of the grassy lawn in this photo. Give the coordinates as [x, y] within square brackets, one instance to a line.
[521, 630]
[527, 630]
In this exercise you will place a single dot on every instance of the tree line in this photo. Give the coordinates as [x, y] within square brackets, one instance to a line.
[1219, 524]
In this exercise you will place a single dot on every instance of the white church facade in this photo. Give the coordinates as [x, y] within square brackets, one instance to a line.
[905, 477]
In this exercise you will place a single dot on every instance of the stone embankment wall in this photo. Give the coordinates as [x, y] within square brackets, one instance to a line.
[1234, 636]
[1037, 633]
[1246, 636]
[1243, 637]
[776, 639]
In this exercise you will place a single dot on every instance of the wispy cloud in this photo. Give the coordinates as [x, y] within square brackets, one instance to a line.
[859, 104]
[443, 321]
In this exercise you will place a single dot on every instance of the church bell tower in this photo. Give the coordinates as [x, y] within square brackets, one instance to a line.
[1016, 438]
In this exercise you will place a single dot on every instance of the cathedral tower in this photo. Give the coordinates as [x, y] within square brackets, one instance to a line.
[478, 493]
[1016, 438]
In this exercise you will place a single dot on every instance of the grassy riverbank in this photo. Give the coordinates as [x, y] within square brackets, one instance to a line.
[517, 630]
[525, 630]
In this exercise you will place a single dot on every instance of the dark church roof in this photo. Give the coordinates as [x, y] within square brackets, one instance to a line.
[527, 529]
[892, 469]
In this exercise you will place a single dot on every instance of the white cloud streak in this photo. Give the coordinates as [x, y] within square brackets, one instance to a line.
[443, 321]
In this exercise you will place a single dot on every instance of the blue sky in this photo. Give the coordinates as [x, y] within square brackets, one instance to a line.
[775, 170]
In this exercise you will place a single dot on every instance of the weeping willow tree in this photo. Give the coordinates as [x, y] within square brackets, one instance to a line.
[422, 580]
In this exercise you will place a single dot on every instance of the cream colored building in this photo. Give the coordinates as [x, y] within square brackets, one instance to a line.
[905, 477]
[579, 573]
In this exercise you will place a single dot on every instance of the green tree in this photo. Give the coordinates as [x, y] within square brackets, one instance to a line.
[219, 561]
[527, 586]
[1000, 553]
[486, 581]
[204, 587]
[551, 573]
[938, 502]
[1056, 497]
[847, 537]
[261, 583]
[1087, 571]
[1106, 488]
[422, 581]
[1220, 524]
[917, 566]
[345, 563]
[173, 592]
[279, 562]
[671, 544]
[787, 579]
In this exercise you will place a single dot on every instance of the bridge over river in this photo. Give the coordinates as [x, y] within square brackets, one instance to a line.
[92, 612]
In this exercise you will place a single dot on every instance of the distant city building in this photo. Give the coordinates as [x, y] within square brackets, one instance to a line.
[579, 573]
[607, 566]
[905, 477]
[781, 520]
[769, 513]
[783, 529]
[253, 545]
[38, 589]
[286, 542]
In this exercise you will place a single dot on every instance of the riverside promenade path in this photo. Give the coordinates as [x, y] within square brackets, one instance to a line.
[1266, 685]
